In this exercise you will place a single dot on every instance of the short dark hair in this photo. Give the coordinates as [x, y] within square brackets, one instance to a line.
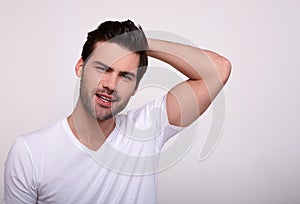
[125, 34]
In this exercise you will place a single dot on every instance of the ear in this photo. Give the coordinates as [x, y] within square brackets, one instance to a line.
[79, 67]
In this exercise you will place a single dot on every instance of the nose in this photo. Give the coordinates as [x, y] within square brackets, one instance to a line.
[109, 81]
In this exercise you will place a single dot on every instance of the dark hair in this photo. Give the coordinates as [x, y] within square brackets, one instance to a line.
[125, 34]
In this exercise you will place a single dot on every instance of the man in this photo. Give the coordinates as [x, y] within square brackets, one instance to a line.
[96, 155]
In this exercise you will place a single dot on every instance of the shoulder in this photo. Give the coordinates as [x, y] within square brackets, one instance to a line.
[150, 121]
[46, 133]
[148, 111]
[18, 151]
[42, 139]
[36, 148]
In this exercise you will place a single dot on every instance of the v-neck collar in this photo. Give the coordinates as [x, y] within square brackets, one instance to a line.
[81, 146]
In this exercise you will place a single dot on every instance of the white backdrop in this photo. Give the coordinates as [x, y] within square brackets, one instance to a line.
[257, 159]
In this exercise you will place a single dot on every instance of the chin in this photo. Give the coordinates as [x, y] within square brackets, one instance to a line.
[103, 117]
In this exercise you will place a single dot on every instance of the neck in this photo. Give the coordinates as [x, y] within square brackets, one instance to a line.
[87, 129]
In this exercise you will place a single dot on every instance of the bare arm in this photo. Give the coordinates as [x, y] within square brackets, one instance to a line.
[207, 72]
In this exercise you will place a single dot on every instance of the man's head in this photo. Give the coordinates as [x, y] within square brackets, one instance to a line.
[126, 35]
[113, 62]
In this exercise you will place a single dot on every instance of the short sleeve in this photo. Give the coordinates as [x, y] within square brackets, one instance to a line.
[18, 175]
[150, 122]
[167, 130]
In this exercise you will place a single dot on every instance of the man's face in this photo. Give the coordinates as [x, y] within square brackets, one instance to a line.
[108, 80]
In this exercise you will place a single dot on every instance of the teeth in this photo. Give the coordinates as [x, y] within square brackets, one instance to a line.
[105, 99]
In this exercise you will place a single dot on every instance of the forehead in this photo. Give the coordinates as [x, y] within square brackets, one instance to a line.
[115, 56]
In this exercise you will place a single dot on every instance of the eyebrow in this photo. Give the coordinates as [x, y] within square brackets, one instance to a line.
[110, 68]
[102, 64]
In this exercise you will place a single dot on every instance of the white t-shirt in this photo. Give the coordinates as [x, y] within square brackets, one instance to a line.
[52, 166]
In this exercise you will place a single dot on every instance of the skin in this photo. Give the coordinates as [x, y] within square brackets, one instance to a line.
[207, 73]
[111, 75]
[108, 80]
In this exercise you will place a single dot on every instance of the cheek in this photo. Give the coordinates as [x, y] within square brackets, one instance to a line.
[126, 88]
[92, 79]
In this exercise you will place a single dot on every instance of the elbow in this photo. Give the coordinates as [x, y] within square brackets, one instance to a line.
[222, 65]
[225, 70]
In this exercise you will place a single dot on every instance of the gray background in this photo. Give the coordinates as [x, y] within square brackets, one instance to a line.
[256, 160]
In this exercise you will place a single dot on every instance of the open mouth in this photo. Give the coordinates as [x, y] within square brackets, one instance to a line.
[104, 100]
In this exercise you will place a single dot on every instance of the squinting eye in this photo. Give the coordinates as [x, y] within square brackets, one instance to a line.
[127, 77]
[102, 68]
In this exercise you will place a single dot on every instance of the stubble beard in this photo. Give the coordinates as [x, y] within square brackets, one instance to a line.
[89, 104]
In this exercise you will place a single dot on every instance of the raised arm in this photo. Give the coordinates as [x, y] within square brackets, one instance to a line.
[207, 72]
